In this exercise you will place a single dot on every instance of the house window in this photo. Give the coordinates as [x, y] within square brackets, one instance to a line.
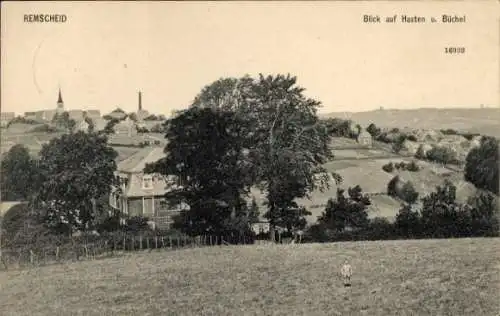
[147, 182]
[163, 204]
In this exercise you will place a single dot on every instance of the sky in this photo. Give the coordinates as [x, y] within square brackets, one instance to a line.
[106, 52]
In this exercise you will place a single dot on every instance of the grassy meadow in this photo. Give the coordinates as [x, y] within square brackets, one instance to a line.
[425, 277]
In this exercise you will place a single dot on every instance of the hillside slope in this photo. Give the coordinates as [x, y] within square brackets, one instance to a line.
[426, 277]
[373, 180]
[483, 121]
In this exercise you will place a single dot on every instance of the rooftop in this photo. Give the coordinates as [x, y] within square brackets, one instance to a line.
[137, 162]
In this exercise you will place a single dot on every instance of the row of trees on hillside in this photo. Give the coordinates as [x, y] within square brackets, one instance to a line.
[438, 215]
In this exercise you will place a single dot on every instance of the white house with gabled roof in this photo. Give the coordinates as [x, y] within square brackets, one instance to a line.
[142, 194]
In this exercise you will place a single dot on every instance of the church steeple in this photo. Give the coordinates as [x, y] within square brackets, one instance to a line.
[60, 103]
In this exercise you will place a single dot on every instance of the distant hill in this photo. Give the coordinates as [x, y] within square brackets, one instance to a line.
[484, 121]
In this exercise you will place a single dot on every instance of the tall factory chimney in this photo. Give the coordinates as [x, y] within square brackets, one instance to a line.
[140, 100]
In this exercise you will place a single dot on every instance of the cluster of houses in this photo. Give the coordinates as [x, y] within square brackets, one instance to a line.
[126, 126]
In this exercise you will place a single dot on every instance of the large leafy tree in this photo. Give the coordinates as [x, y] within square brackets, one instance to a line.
[481, 167]
[19, 174]
[77, 171]
[205, 152]
[287, 143]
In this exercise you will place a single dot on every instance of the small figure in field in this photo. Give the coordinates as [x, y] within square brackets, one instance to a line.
[346, 272]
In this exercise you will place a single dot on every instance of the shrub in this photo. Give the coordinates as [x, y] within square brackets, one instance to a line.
[408, 193]
[412, 166]
[442, 155]
[392, 186]
[110, 224]
[373, 130]
[142, 130]
[388, 167]
[21, 229]
[397, 147]
[412, 138]
[400, 165]
[137, 224]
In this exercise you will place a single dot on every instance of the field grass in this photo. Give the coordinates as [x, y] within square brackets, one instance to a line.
[426, 277]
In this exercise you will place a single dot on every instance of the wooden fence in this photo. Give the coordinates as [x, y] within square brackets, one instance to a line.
[108, 246]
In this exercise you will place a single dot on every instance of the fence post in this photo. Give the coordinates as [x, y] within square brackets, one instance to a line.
[162, 242]
[32, 255]
[178, 242]
[156, 242]
[140, 242]
[57, 253]
[124, 242]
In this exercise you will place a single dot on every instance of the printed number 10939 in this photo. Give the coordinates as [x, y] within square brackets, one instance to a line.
[454, 50]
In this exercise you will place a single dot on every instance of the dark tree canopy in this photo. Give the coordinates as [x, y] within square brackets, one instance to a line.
[373, 130]
[343, 212]
[19, 174]
[205, 152]
[286, 141]
[408, 193]
[481, 167]
[77, 170]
